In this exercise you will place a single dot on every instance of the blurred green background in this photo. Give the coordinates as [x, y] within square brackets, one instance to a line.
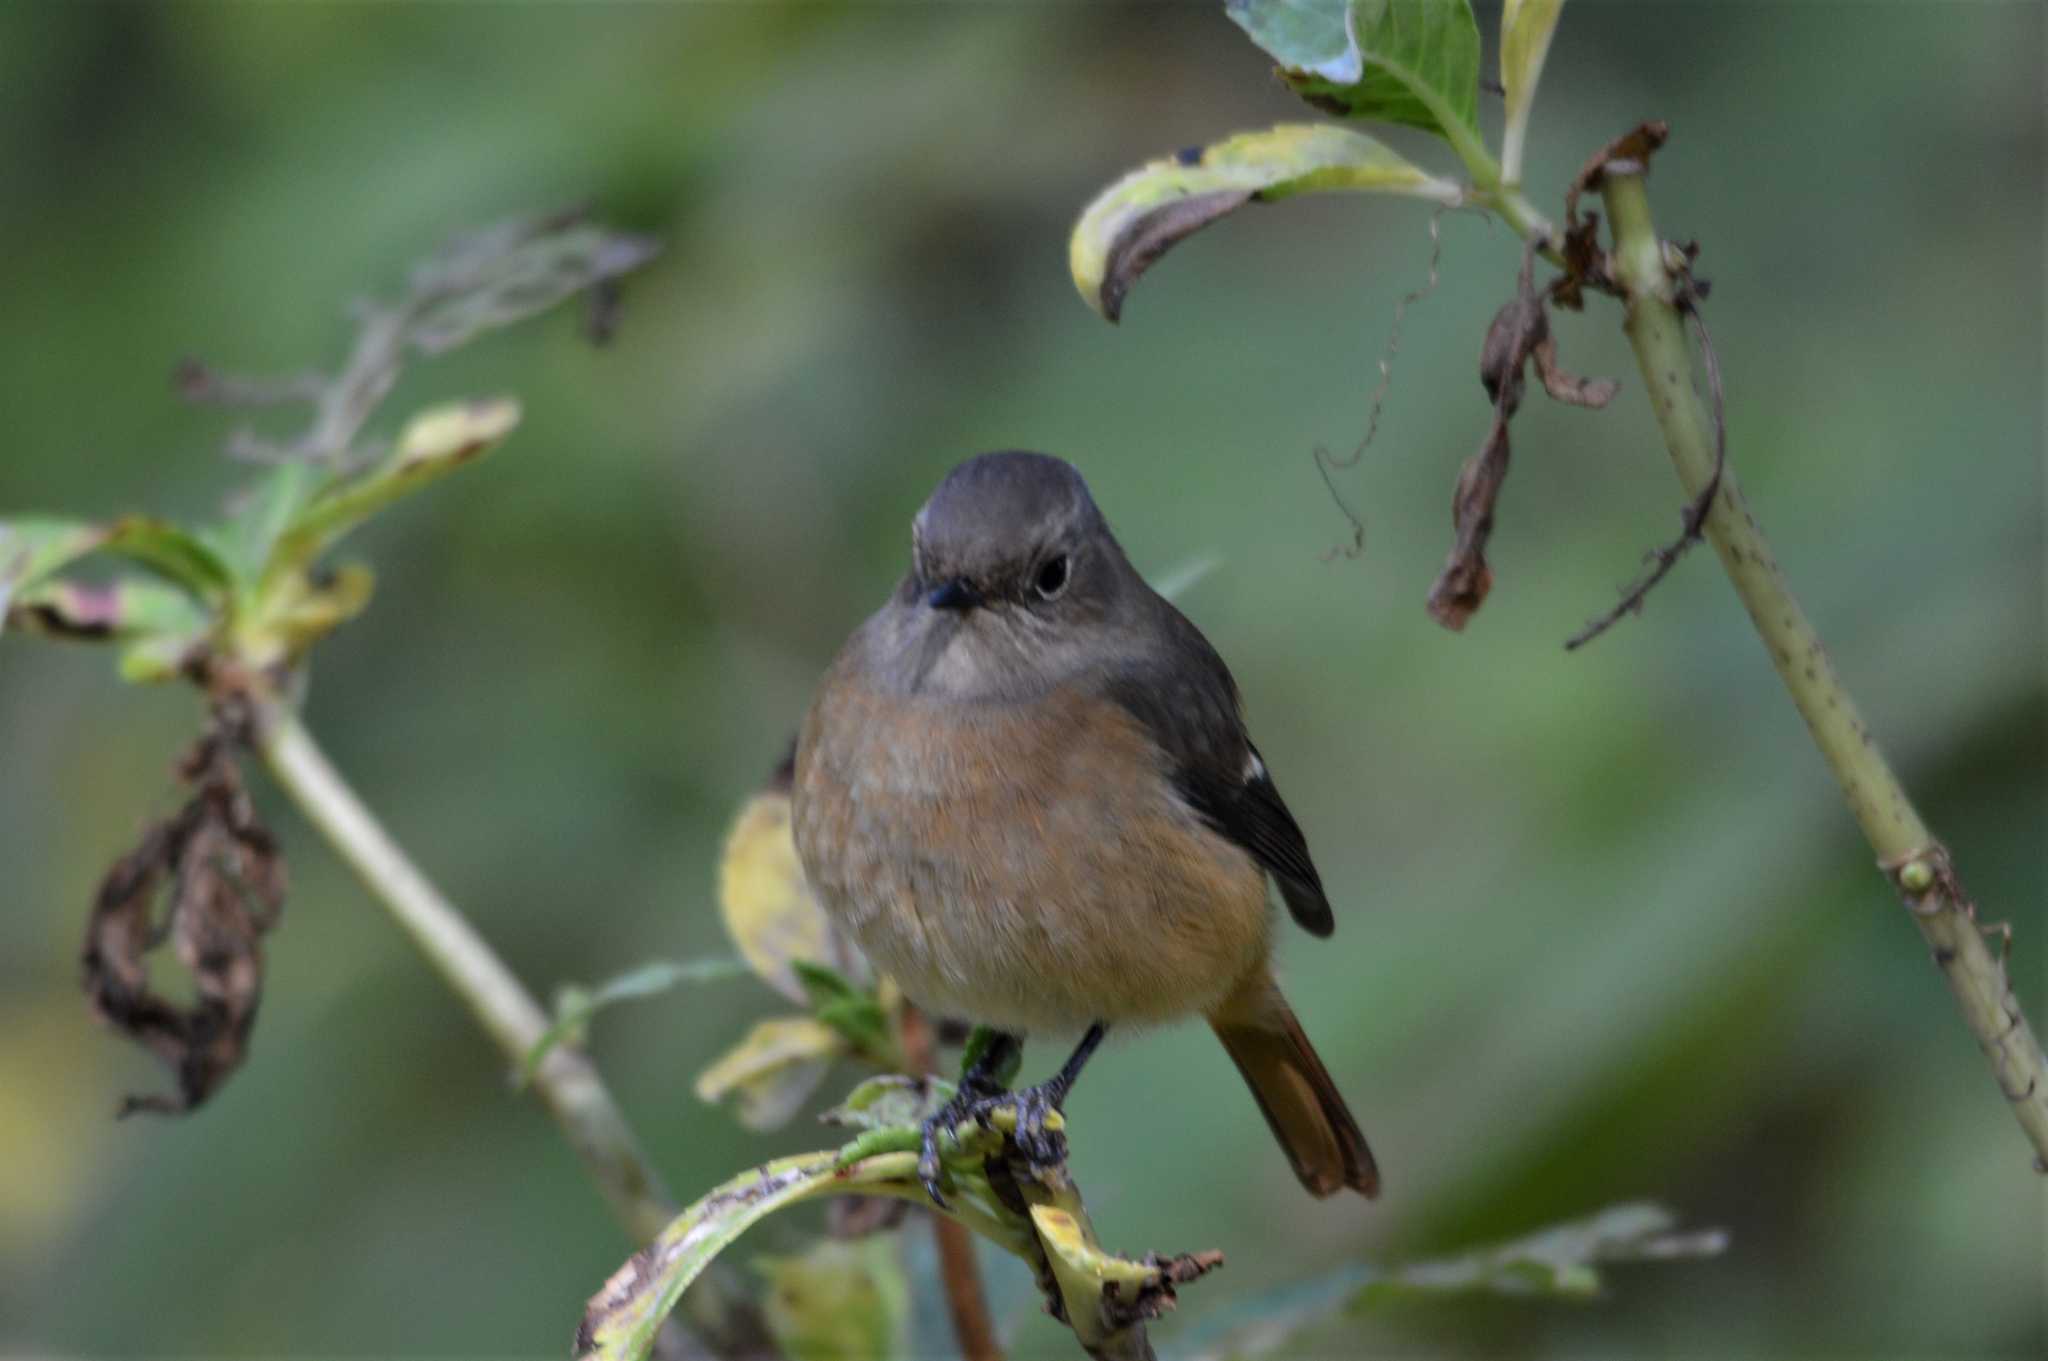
[1606, 930]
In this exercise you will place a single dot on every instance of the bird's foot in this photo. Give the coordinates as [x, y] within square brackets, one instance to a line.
[1029, 1119]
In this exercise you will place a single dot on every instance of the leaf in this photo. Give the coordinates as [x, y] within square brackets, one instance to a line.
[890, 1102]
[1561, 1262]
[35, 550]
[574, 1006]
[306, 608]
[774, 1069]
[434, 443]
[854, 1012]
[125, 608]
[173, 553]
[1414, 62]
[1137, 219]
[622, 1319]
[768, 907]
[1525, 30]
[837, 1301]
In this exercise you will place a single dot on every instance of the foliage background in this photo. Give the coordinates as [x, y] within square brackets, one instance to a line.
[1606, 930]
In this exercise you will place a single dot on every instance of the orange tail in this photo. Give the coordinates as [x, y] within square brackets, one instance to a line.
[1295, 1094]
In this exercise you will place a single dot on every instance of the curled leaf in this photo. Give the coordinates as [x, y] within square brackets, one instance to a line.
[126, 608]
[774, 1069]
[621, 1321]
[33, 551]
[221, 880]
[1137, 219]
[1119, 1291]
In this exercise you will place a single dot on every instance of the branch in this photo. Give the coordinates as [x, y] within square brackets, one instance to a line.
[1651, 276]
[959, 1268]
[566, 1081]
[1034, 1212]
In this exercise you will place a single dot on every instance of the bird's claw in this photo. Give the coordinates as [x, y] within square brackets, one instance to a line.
[1029, 1120]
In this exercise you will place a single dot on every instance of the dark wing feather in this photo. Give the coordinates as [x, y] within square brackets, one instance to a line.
[1188, 703]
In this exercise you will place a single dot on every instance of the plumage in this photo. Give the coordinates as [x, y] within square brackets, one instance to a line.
[1026, 790]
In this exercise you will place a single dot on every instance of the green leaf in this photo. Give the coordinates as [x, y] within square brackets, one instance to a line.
[1137, 219]
[774, 1069]
[434, 443]
[854, 1012]
[837, 1301]
[174, 553]
[1414, 62]
[1525, 29]
[35, 550]
[123, 609]
[1562, 1262]
[622, 1319]
[267, 511]
[574, 1006]
[890, 1102]
[37, 547]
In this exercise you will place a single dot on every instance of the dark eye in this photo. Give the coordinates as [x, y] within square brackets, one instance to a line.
[1052, 577]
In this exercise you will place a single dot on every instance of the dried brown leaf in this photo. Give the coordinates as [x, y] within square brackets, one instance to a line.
[210, 881]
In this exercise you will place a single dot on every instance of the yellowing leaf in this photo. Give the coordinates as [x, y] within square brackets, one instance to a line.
[432, 445]
[1135, 221]
[768, 908]
[1525, 29]
[778, 1065]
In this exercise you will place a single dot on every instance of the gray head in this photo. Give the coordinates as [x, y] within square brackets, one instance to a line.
[1014, 573]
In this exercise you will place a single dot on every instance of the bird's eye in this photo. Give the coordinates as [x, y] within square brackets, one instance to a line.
[1052, 577]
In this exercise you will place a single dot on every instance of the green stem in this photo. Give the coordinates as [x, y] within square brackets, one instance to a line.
[1917, 864]
[566, 1081]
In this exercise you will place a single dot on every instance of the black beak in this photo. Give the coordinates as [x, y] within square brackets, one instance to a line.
[953, 595]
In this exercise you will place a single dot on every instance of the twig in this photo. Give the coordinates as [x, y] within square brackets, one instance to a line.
[1694, 517]
[566, 1081]
[1918, 865]
[959, 1267]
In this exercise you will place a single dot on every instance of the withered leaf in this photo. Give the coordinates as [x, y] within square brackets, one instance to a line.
[210, 880]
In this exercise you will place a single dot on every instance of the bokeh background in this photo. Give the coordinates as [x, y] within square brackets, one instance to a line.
[1606, 931]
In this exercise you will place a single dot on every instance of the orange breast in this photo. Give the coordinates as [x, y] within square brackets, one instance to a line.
[1026, 865]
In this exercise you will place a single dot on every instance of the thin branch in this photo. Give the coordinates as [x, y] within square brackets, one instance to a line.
[959, 1267]
[1918, 865]
[566, 1081]
[1694, 517]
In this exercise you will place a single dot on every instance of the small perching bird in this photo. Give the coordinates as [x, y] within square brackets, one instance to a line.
[1026, 790]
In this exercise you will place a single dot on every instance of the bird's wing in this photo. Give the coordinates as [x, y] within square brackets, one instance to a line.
[1188, 703]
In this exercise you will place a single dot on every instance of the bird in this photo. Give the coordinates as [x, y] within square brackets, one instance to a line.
[1024, 787]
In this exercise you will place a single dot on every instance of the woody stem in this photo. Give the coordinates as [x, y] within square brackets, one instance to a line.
[1917, 864]
[566, 1081]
